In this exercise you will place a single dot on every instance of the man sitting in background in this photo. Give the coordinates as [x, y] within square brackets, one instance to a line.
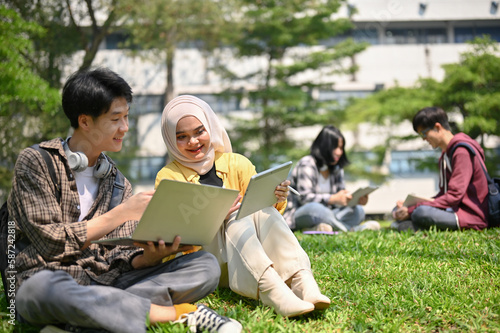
[463, 188]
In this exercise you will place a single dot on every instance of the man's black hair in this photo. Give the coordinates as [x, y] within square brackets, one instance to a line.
[429, 116]
[91, 92]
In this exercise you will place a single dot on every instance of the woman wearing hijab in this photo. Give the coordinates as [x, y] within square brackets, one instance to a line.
[259, 256]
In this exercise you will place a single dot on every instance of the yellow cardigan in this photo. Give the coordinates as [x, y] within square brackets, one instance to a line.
[235, 170]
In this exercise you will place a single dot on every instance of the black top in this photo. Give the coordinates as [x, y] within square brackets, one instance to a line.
[211, 178]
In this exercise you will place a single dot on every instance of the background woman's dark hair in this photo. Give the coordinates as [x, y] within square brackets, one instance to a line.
[91, 92]
[324, 144]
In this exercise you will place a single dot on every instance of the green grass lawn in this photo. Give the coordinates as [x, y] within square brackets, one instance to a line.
[384, 282]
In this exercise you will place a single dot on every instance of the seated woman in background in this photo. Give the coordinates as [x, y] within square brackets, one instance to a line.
[319, 178]
[259, 256]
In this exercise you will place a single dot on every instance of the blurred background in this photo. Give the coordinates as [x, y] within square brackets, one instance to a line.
[276, 72]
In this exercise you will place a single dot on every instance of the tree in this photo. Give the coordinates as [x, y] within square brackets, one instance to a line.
[43, 37]
[393, 105]
[160, 26]
[286, 35]
[388, 108]
[71, 26]
[27, 103]
[470, 87]
[473, 87]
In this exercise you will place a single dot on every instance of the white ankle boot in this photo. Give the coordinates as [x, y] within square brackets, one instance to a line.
[275, 293]
[305, 287]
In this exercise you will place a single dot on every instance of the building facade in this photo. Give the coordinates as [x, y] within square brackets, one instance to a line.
[408, 40]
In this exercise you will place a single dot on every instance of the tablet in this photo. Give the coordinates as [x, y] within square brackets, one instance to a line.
[413, 199]
[362, 191]
[260, 190]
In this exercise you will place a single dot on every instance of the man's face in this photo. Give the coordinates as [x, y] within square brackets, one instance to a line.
[429, 134]
[109, 129]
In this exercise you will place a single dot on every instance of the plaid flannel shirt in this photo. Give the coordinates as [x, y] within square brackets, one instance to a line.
[304, 178]
[52, 229]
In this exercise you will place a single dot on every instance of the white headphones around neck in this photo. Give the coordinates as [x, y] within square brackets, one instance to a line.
[78, 162]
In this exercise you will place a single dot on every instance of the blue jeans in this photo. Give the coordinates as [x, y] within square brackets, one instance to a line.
[314, 213]
[54, 297]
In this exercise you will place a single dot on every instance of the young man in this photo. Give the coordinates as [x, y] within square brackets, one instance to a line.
[461, 202]
[63, 278]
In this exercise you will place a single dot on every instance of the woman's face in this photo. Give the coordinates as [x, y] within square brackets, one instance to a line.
[338, 152]
[193, 140]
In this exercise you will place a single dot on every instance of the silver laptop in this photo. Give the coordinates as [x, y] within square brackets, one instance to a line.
[260, 190]
[194, 212]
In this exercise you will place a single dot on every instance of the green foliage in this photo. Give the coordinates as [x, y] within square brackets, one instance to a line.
[29, 108]
[472, 87]
[70, 27]
[393, 105]
[160, 26]
[287, 34]
[50, 49]
[364, 166]
[274, 26]
[469, 86]
[384, 282]
[18, 82]
[39, 38]
[156, 25]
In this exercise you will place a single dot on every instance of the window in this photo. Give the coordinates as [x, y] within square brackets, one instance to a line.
[114, 41]
[342, 97]
[146, 104]
[220, 104]
[465, 34]
[359, 35]
[366, 35]
[415, 36]
[146, 168]
[413, 162]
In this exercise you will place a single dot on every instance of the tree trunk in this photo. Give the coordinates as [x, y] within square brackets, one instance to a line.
[169, 89]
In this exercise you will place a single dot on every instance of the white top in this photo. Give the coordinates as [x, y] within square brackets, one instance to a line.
[324, 184]
[87, 186]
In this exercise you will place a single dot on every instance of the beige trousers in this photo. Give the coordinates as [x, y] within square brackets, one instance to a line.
[245, 248]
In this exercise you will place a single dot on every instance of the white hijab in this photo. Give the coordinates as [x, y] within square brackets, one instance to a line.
[187, 105]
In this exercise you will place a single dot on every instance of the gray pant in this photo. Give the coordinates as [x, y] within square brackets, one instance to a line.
[314, 213]
[54, 297]
[424, 217]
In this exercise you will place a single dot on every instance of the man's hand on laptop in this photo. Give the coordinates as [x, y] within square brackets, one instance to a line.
[135, 206]
[154, 253]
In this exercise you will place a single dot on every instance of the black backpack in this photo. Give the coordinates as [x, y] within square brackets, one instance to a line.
[493, 189]
[10, 246]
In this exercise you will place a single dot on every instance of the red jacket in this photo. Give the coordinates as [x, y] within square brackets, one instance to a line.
[463, 188]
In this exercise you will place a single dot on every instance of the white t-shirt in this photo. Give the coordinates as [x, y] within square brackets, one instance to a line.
[87, 186]
[324, 184]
